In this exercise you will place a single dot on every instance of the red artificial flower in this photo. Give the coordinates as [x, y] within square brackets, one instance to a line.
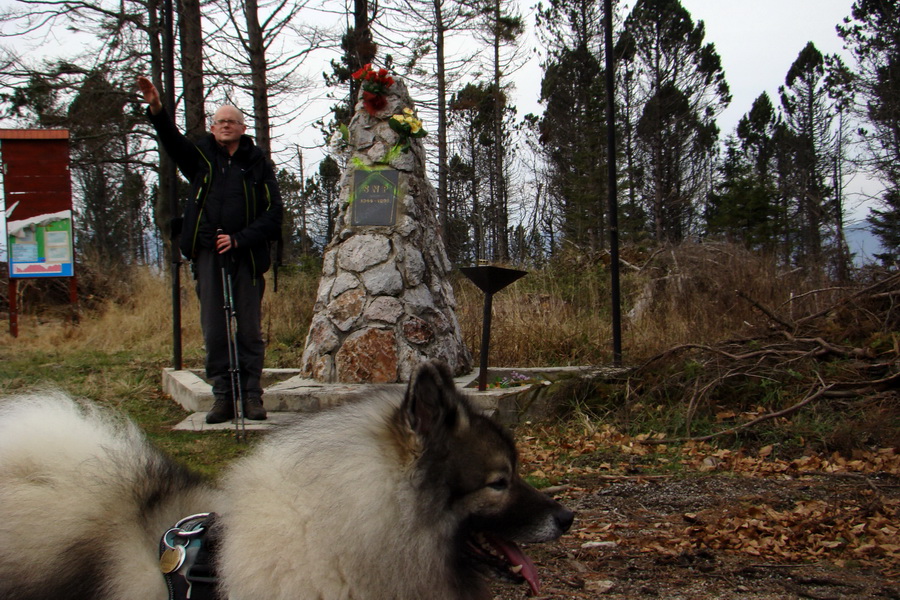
[374, 85]
[373, 103]
[363, 71]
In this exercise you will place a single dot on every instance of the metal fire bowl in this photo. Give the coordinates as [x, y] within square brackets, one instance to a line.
[491, 279]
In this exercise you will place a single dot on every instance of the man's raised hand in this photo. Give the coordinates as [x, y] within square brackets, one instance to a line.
[151, 94]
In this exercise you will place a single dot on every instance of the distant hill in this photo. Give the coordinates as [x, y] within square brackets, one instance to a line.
[863, 243]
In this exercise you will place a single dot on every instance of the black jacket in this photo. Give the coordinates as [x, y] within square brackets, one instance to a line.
[251, 215]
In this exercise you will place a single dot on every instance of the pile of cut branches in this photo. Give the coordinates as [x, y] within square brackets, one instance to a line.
[848, 352]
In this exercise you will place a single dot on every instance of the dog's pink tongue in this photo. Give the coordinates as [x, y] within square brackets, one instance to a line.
[515, 556]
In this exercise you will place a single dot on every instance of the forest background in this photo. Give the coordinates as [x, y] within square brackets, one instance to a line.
[512, 188]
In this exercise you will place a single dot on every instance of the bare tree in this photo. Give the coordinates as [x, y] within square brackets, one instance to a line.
[430, 25]
[191, 37]
[259, 49]
[117, 39]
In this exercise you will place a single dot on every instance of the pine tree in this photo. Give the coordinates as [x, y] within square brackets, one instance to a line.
[741, 209]
[811, 110]
[683, 89]
[744, 207]
[573, 126]
[501, 29]
[873, 36]
[885, 222]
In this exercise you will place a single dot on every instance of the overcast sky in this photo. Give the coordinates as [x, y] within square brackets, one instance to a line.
[758, 41]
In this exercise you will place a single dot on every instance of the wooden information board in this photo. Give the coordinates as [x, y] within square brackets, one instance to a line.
[38, 194]
[37, 190]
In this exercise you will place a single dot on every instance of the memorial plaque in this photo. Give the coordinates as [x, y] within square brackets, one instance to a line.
[374, 198]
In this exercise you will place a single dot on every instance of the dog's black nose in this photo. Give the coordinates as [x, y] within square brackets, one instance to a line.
[564, 518]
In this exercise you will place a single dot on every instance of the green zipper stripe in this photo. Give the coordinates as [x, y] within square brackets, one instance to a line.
[204, 189]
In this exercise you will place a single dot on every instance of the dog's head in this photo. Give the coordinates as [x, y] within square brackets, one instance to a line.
[469, 465]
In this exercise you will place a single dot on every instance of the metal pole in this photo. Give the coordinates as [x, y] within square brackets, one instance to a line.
[613, 187]
[234, 360]
[169, 99]
[485, 341]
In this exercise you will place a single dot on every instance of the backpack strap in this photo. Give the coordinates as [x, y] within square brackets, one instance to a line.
[279, 255]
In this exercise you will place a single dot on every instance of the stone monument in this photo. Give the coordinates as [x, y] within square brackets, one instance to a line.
[384, 302]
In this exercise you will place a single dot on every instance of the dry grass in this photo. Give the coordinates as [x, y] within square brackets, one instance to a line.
[554, 316]
[138, 319]
[687, 294]
[287, 314]
[540, 320]
[701, 293]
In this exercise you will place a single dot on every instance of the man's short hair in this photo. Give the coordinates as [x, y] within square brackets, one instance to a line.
[240, 115]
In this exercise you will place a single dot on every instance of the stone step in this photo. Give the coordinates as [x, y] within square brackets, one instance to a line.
[527, 396]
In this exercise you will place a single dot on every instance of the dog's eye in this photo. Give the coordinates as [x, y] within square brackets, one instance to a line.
[499, 484]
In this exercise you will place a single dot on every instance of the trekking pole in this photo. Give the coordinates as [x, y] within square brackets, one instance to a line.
[234, 364]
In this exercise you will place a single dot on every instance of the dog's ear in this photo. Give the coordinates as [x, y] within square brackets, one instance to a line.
[431, 400]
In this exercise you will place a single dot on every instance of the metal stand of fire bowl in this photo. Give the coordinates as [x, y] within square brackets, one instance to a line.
[489, 280]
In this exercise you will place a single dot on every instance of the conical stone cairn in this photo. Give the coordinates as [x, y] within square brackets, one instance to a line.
[385, 302]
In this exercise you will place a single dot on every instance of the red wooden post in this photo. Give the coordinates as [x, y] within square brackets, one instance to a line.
[73, 298]
[13, 308]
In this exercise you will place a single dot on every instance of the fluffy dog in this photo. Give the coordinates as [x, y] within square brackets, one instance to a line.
[407, 497]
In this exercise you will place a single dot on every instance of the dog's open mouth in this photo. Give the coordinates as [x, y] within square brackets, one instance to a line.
[504, 560]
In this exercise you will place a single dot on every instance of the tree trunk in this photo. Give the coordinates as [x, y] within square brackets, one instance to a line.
[443, 209]
[359, 47]
[162, 210]
[500, 216]
[258, 76]
[191, 38]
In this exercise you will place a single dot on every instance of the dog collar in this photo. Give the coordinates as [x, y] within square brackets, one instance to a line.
[186, 558]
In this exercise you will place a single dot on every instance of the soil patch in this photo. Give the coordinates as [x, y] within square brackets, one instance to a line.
[761, 534]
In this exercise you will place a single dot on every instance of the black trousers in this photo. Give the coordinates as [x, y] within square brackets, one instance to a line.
[247, 292]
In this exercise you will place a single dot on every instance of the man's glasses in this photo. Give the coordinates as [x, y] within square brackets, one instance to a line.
[227, 122]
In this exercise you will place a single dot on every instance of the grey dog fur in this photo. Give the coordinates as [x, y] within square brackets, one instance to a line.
[370, 501]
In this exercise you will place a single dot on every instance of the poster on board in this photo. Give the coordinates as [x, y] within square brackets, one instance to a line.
[41, 246]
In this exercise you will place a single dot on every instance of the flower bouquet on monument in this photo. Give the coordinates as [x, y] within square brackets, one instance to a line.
[408, 127]
[375, 85]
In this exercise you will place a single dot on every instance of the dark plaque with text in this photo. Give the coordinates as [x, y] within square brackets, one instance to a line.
[374, 198]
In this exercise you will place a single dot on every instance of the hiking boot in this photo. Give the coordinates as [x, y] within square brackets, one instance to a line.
[222, 410]
[253, 409]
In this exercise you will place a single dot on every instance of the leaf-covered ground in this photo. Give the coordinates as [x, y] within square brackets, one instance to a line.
[696, 522]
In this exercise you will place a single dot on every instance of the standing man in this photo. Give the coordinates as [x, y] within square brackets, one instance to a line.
[234, 211]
